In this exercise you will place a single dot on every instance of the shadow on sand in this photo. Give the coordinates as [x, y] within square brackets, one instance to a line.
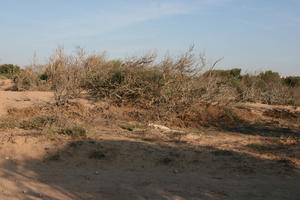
[139, 170]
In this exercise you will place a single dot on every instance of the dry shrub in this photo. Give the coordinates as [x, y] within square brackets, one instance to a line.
[68, 74]
[296, 95]
[182, 89]
[172, 84]
[267, 88]
[207, 115]
[30, 79]
[65, 73]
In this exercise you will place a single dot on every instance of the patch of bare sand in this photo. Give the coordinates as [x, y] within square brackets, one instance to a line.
[5, 83]
[20, 99]
[12, 99]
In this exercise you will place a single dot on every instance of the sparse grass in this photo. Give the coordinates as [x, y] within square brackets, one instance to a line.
[75, 131]
[8, 123]
[70, 119]
[37, 123]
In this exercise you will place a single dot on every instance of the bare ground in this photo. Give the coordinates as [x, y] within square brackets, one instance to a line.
[14, 99]
[145, 163]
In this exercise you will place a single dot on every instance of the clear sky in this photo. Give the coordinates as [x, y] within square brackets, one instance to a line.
[251, 34]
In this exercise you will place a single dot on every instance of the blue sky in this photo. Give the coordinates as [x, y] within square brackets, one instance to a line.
[254, 35]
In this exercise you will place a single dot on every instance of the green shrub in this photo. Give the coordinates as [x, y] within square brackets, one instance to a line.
[236, 73]
[44, 76]
[227, 74]
[292, 81]
[9, 70]
[270, 77]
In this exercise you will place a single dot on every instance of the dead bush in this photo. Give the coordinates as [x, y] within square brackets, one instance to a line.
[156, 89]
[65, 73]
[172, 84]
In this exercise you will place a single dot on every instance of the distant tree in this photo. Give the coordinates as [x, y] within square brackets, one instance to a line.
[292, 81]
[231, 73]
[270, 76]
[9, 69]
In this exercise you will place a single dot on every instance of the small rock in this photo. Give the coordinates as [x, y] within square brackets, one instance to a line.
[157, 126]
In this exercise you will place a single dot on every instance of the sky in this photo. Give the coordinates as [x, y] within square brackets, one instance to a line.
[254, 35]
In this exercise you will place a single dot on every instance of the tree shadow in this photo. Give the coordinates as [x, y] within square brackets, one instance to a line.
[138, 170]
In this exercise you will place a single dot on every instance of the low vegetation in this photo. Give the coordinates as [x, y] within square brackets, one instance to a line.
[49, 120]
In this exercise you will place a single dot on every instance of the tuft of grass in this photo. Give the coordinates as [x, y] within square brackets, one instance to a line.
[75, 131]
[37, 123]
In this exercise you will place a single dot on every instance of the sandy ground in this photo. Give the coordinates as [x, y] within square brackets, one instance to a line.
[147, 163]
[11, 99]
[5, 84]
[120, 165]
